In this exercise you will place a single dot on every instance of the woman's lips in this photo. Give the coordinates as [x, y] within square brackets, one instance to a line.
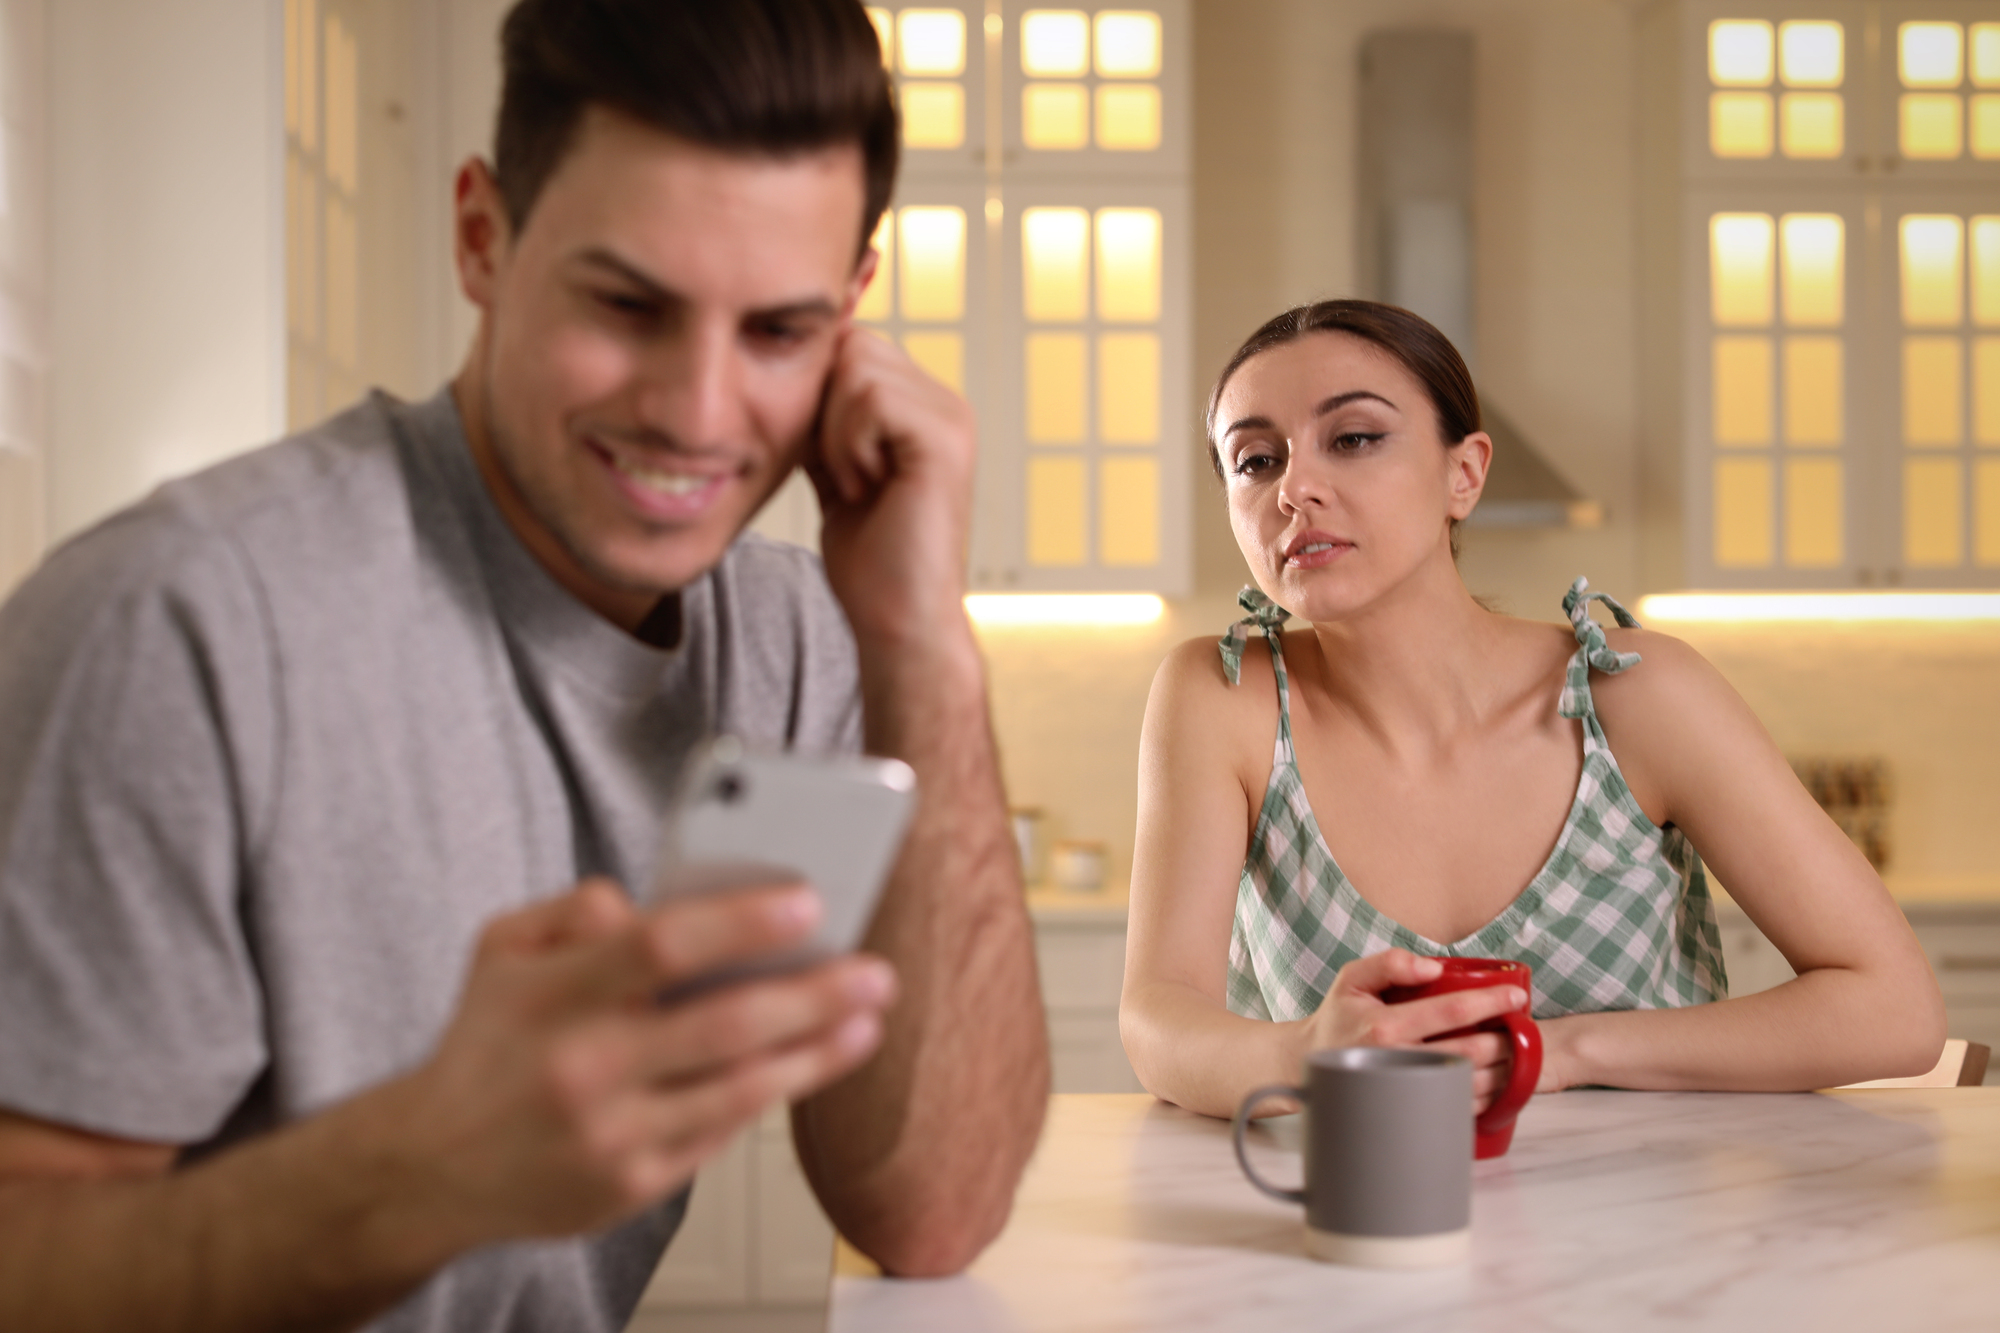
[1314, 553]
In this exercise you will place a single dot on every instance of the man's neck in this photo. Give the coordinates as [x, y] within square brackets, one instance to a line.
[628, 610]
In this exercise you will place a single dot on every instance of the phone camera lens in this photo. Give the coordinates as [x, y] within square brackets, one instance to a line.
[729, 789]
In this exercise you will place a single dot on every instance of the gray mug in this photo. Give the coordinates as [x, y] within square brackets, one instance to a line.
[1388, 1156]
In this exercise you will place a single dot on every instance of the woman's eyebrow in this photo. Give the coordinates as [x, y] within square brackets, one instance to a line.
[1247, 423]
[1341, 400]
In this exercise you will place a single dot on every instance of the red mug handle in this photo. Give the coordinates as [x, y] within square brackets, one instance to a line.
[1525, 1038]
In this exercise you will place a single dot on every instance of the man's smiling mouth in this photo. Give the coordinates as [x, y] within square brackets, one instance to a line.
[659, 481]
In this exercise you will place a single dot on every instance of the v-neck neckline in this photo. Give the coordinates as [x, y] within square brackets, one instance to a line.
[1517, 909]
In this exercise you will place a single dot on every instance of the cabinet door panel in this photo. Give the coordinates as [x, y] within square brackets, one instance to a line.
[1081, 969]
[1966, 959]
[794, 1241]
[708, 1262]
[1087, 1056]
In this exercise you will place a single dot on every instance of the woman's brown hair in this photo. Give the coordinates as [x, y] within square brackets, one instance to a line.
[1411, 339]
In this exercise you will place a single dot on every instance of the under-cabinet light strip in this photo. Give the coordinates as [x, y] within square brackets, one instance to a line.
[1738, 607]
[989, 609]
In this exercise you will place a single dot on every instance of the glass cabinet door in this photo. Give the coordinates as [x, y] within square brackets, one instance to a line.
[1840, 262]
[1041, 265]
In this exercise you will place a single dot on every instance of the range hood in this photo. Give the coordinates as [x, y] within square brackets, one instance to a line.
[1415, 216]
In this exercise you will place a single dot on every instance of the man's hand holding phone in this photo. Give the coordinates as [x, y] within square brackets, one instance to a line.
[563, 1097]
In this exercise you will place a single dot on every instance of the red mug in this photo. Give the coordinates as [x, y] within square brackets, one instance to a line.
[1493, 1131]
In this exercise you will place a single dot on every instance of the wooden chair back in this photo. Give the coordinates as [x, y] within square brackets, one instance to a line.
[1962, 1065]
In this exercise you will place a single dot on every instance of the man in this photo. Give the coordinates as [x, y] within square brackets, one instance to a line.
[294, 753]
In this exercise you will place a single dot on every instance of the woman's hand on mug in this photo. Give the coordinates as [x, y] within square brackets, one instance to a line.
[1355, 1014]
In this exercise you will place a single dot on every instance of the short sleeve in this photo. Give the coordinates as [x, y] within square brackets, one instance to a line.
[791, 674]
[135, 728]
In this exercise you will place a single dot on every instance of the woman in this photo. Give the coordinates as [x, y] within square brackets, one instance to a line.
[1407, 773]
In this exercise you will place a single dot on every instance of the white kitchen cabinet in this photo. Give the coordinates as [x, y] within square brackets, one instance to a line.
[1822, 240]
[1080, 947]
[755, 1251]
[1962, 941]
[1038, 258]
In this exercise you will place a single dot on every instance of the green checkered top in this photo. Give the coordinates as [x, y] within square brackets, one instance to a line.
[1618, 918]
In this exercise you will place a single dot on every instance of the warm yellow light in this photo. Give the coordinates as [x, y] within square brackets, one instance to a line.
[1809, 54]
[1128, 388]
[1815, 514]
[940, 355]
[1930, 55]
[1985, 126]
[1724, 608]
[1931, 126]
[1128, 44]
[1986, 271]
[1128, 264]
[1057, 520]
[932, 42]
[991, 609]
[1128, 512]
[1742, 391]
[933, 115]
[1745, 536]
[1811, 244]
[1933, 390]
[874, 303]
[1740, 246]
[1055, 43]
[1813, 390]
[1055, 117]
[1128, 117]
[1811, 126]
[1986, 55]
[1933, 513]
[1739, 124]
[1933, 248]
[1986, 509]
[1056, 384]
[1055, 250]
[1739, 53]
[1986, 392]
[885, 34]
[932, 273]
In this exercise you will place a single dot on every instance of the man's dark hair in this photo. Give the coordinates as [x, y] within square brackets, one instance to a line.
[774, 77]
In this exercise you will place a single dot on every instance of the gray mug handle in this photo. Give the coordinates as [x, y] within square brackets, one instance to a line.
[1242, 1123]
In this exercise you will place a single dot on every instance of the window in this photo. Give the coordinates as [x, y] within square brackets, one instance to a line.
[322, 214]
[23, 519]
[1036, 259]
[1842, 343]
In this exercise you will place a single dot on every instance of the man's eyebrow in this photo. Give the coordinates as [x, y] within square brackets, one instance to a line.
[600, 258]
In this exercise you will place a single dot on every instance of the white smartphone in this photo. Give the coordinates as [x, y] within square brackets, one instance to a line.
[745, 818]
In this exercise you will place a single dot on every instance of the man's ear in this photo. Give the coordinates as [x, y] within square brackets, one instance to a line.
[864, 273]
[481, 236]
[1470, 459]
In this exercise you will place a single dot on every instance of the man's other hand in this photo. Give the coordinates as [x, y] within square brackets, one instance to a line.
[564, 1096]
[893, 464]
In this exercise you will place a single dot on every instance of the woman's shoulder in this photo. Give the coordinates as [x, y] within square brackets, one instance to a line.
[1192, 689]
[1195, 669]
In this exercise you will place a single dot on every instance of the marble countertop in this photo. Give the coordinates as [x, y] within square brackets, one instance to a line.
[1861, 1210]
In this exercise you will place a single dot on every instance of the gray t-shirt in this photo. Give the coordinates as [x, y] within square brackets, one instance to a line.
[277, 742]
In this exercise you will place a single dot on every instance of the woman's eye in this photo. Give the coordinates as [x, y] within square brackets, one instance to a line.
[1252, 464]
[1353, 441]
